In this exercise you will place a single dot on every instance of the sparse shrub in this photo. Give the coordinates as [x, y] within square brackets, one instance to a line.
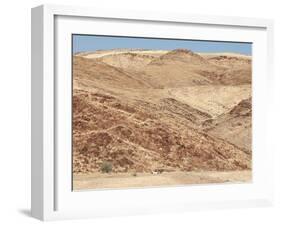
[106, 167]
[134, 174]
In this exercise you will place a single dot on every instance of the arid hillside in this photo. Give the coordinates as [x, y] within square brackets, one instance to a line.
[144, 111]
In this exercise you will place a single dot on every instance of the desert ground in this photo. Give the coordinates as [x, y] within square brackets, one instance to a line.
[176, 178]
[158, 118]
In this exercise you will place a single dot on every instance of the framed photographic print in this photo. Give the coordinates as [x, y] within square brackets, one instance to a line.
[136, 113]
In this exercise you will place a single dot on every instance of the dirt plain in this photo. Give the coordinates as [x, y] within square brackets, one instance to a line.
[161, 118]
[176, 178]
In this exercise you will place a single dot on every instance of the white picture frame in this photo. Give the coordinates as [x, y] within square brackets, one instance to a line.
[52, 197]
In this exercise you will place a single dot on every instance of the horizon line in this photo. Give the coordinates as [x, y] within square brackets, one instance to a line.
[168, 50]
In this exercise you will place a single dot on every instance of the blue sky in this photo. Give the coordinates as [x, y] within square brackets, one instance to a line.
[83, 43]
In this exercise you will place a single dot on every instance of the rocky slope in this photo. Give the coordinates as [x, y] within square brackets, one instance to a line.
[234, 126]
[176, 110]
